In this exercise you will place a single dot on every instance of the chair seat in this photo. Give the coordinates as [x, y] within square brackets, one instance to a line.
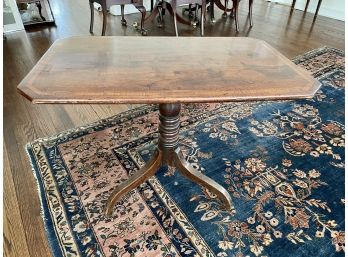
[186, 2]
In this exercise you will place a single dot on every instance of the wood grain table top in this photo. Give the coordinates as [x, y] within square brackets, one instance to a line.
[164, 70]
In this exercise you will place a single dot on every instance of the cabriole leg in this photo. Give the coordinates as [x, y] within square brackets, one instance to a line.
[189, 172]
[134, 181]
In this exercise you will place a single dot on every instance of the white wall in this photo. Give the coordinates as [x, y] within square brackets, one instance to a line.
[12, 19]
[329, 8]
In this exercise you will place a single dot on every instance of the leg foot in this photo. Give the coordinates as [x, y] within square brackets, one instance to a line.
[235, 12]
[211, 9]
[250, 13]
[123, 20]
[224, 15]
[203, 10]
[293, 5]
[175, 19]
[91, 6]
[188, 171]
[105, 13]
[160, 22]
[134, 181]
[142, 10]
[307, 3]
[317, 10]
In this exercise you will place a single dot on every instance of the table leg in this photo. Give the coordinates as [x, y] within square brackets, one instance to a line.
[188, 171]
[134, 181]
[168, 153]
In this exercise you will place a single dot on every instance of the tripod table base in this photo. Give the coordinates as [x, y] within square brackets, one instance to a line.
[168, 153]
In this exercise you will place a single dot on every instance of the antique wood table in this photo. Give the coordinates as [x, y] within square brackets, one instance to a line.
[166, 71]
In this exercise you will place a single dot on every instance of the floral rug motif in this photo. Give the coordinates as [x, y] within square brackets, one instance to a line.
[282, 162]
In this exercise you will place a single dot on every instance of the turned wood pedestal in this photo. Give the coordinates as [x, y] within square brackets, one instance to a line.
[168, 153]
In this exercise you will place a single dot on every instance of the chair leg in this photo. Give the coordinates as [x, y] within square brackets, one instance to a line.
[212, 13]
[105, 13]
[39, 6]
[195, 19]
[91, 6]
[307, 3]
[190, 13]
[224, 15]
[160, 20]
[123, 20]
[235, 11]
[203, 10]
[293, 4]
[317, 10]
[251, 13]
[232, 11]
[174, 17]
[155, 13]
[142, 10]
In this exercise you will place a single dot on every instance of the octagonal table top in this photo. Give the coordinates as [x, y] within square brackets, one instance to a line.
[164, 70]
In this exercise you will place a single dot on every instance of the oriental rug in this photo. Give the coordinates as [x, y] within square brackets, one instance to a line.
[282, 162]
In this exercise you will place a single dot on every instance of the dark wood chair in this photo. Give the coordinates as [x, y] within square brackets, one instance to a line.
[307, 3]
[171, 7]
[234, 12]
[105, 6]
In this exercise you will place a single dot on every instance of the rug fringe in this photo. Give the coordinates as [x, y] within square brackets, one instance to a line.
[27, 147]
[51, 236]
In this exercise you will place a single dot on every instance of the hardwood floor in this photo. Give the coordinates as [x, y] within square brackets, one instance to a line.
[24, 233]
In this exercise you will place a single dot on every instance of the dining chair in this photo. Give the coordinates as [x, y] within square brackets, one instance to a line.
[307, 3]
[234, 12]
[177, 3]
[105, 6]
[171, 6]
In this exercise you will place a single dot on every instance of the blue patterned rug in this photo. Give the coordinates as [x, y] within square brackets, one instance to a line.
[282, 162]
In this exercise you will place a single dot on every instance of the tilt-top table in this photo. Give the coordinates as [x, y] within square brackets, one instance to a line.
[166, 71]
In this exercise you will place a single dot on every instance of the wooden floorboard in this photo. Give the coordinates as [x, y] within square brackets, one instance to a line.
[15, 243]
[24, 233]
